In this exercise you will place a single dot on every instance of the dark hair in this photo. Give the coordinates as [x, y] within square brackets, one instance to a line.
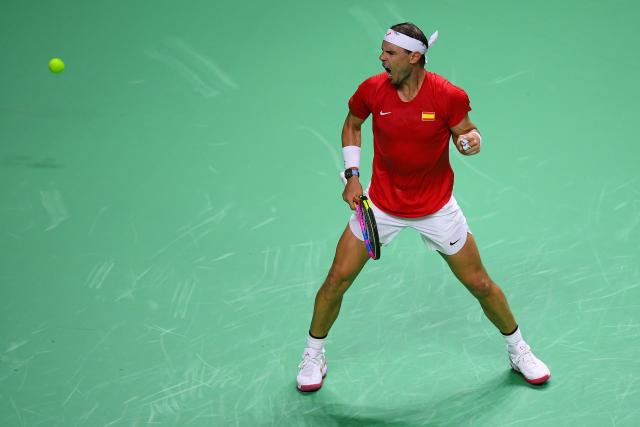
[412, 30]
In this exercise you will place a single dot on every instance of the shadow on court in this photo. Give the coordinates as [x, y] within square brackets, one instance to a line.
[31, 162]
[463, 407]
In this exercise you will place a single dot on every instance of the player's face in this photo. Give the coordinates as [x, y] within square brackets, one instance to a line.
[395, 60]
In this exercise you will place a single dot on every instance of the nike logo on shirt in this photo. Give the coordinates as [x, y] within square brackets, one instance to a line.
[384, 113]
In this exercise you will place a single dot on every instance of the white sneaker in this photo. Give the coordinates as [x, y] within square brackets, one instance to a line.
[524, 361]
[313, 369]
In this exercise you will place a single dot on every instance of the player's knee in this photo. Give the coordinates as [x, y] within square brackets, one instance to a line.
[479, 285]
[336, 284]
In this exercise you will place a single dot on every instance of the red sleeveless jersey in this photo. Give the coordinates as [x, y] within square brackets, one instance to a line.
[411, 176]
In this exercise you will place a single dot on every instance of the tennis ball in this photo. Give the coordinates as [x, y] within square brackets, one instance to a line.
[56, 65]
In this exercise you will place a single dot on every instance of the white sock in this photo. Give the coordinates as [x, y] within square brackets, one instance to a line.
[315, 343]
[514, 340]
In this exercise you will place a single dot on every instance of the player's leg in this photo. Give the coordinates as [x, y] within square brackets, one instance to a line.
[447, 232]
[350, 257]
[467, 267]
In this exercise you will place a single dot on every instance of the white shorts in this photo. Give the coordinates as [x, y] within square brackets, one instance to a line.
[444, 231]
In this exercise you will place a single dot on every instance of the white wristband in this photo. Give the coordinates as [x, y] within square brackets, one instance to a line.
[351, 155]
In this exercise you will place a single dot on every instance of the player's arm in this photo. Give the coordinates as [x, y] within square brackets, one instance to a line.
[352, 135]
[351, 130]
[468, 131]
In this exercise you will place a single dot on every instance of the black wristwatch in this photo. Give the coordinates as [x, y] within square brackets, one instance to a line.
[348, 173]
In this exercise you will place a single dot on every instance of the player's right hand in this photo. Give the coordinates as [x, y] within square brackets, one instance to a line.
[352, 191]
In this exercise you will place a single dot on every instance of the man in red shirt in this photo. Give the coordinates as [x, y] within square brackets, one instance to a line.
[415, 113]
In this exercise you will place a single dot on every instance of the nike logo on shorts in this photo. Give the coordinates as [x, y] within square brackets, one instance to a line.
[453, 243]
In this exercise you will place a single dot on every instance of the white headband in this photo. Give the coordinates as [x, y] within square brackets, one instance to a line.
[407, 42]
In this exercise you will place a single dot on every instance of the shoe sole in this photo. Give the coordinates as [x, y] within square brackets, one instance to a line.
[537, 381]
[311, 387]
[534, 381]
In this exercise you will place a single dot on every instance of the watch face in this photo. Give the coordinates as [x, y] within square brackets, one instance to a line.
[348, 173]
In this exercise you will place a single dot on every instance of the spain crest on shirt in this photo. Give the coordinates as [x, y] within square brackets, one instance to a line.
[428, 116]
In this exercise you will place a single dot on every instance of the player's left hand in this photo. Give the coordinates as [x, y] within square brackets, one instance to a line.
[471, 147]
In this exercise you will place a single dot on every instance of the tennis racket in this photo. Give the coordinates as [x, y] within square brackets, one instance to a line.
[368, 226]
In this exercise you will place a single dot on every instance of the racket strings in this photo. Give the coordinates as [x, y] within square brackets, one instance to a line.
[368, 226]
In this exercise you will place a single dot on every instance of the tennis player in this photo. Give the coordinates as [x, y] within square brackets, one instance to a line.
[415, 113]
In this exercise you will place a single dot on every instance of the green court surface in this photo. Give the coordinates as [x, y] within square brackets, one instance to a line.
[170, 205]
